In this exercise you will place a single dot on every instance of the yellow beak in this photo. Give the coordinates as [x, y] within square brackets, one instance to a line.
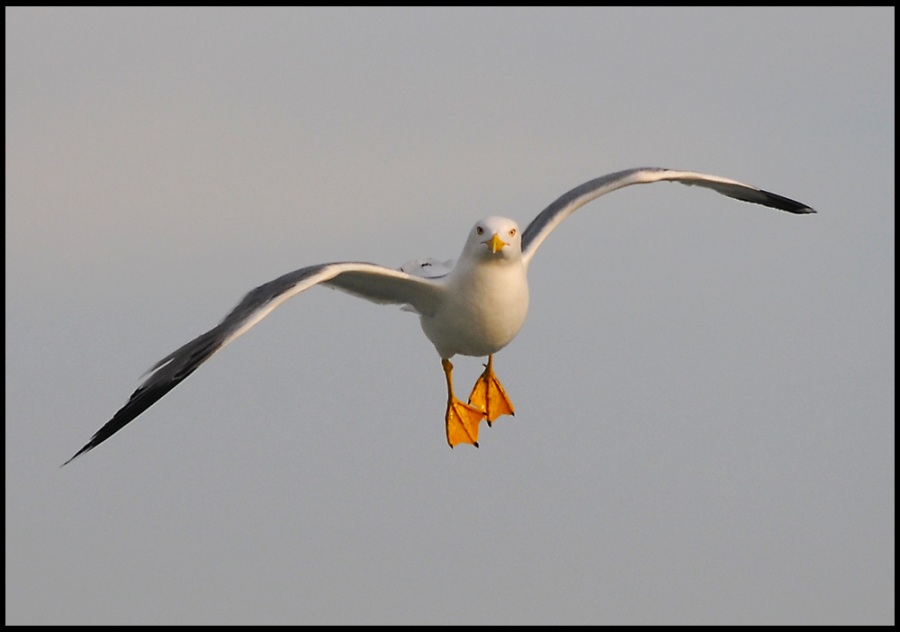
[495, 243]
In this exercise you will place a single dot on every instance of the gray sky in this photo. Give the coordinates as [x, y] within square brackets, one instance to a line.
[704, 388]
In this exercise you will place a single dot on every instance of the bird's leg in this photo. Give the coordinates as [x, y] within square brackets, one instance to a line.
[462, 419]
[489, 396]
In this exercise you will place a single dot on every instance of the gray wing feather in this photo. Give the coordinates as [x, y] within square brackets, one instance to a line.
[548, 219]
[369, 281]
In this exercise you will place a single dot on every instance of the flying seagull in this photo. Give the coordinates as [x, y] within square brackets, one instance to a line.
[474, 307]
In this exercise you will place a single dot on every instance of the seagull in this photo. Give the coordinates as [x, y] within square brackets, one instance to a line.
[473, 307]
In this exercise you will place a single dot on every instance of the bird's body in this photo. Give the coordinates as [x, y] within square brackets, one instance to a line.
[474, 307]
[486, 295]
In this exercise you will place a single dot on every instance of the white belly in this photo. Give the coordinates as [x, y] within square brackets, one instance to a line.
[484, 311]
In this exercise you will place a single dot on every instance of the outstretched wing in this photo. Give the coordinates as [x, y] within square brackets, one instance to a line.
[366, 280]
[568, 203]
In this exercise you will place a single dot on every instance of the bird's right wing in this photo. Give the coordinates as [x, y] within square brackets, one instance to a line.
[373, 282]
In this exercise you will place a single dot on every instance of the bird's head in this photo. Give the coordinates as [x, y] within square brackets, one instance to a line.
[495, 238]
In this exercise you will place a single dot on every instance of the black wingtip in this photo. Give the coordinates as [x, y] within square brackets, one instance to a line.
[787, 204]
[144, 397]
[87, 448]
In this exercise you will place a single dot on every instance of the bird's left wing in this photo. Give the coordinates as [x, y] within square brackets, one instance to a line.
[569, 202]
[366, 280]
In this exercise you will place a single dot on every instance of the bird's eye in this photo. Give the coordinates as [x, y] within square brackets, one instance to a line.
[512, 232]
[479, 230]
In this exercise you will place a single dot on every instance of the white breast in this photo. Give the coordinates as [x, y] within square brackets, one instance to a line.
[485, 307]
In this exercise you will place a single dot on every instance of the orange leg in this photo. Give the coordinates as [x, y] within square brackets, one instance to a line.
[462, 419]
[488, 395]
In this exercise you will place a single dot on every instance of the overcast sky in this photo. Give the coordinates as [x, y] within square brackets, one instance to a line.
[704, 388]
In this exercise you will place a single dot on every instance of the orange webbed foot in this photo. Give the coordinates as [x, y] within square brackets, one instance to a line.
[462, 423]
[462, 419]
[489, 396]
